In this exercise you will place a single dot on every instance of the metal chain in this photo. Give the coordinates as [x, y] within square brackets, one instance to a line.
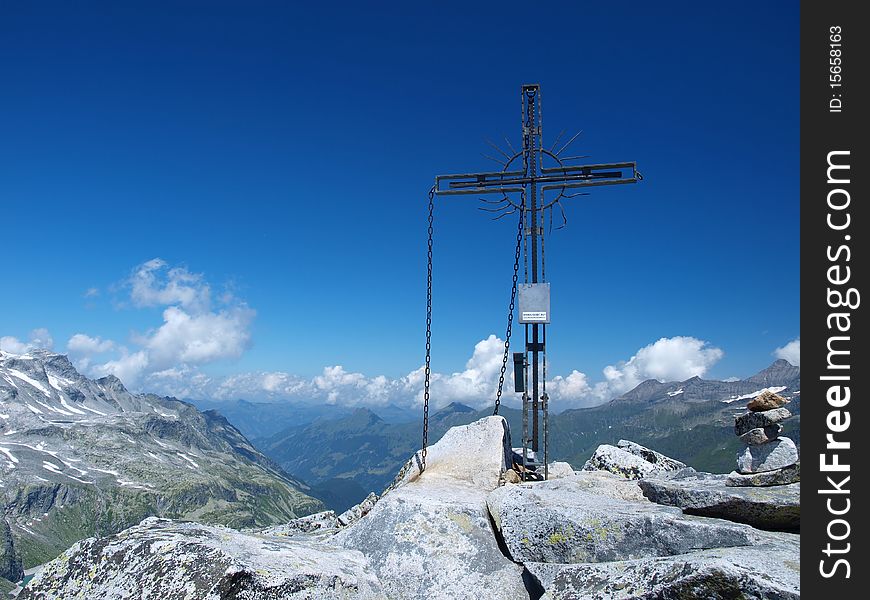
[510, 317]
[427, 370]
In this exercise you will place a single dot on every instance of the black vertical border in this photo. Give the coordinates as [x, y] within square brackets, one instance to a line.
[823, 131]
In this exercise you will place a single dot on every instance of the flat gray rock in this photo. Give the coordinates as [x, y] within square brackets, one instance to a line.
[769, 571]
[178, 561]
[784, 476]
[561, 521]
[775, 508]
[776, 454]
[753, 420]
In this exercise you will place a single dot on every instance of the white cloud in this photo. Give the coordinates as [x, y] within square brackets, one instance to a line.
[128, 367]
[39, 339]
[192, 332]
[575, 387]
[153, 283]
[199, 338]
[87, 345]
[91, 292]
[668, 359]
[790, 352]
[83, 348]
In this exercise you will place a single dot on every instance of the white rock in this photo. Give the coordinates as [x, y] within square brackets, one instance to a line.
[620, 462]
[430, 535]
[657, 458]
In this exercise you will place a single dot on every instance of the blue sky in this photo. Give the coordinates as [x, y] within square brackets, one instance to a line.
[276, 156]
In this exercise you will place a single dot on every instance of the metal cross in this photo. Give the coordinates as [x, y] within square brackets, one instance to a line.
[532, 182]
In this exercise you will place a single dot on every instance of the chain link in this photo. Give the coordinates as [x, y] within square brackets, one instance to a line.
[427, 370]
[510, 317]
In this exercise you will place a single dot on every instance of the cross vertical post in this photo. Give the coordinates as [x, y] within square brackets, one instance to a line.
[523, 184]
[531, 144]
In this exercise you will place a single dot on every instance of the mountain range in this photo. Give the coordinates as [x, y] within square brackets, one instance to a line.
[345, 457]
[82, 457]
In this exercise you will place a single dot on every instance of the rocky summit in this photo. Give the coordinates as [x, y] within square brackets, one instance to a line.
[454, 530]
[82, 457]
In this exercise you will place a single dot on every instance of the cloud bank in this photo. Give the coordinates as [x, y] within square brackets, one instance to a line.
[196, 329]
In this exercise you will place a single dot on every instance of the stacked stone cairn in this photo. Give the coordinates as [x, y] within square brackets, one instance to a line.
[767, 459]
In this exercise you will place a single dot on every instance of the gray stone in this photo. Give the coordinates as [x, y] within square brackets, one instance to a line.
[761, 435]
[657, 458]
[784, 476]
[775, 454]
[559, 521]
[173, 561]
[753, 420]
[775, 508]
[768, 571]
[620, 462]
[430, 536]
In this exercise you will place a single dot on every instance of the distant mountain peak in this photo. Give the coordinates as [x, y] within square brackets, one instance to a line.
[457, 407]
[364, 414]
[112, 382]
[778, 372]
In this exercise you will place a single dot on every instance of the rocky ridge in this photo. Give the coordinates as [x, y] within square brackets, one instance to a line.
[454, 531]
[82, 457]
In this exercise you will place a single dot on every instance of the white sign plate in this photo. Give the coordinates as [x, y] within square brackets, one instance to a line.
[534, 316]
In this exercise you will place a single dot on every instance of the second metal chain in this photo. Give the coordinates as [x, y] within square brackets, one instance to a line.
[427, 370]
[507, 337]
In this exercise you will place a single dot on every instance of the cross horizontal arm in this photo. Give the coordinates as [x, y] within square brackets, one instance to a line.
[557, 177]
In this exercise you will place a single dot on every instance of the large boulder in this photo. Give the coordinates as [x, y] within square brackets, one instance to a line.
[631, 460]
[430, 535]
[775, 508]
[563, 521]
[768, 571]
[177, 561]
